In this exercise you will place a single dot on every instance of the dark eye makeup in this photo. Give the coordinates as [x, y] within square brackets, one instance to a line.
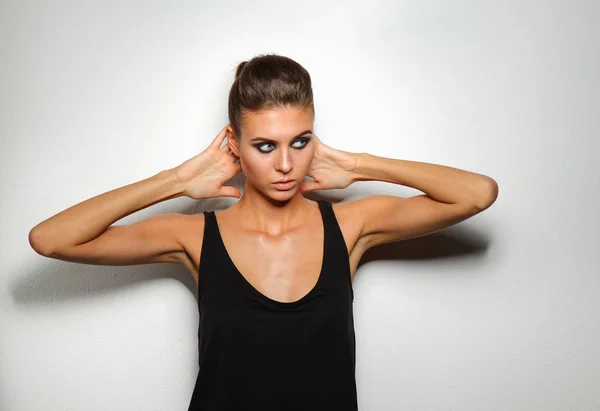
[304, 140]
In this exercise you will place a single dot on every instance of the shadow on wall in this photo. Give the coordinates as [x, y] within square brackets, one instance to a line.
[52, 281]
[451, 242]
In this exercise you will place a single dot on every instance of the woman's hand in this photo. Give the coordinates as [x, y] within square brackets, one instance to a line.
[330, 168]
[203, 175]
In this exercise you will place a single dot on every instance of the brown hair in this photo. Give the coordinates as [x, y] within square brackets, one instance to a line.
[268, 81]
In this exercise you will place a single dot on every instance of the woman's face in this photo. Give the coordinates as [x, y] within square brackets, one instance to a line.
[275, 145]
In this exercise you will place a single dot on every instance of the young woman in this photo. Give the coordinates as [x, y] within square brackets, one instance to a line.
[275, 270]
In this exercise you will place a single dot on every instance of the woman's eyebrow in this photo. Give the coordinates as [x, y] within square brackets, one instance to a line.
[273, 141]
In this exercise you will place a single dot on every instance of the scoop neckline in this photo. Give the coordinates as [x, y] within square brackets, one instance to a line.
[282, 304]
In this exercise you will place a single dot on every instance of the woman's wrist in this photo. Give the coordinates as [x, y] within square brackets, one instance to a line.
[174, 186]
[361, 172]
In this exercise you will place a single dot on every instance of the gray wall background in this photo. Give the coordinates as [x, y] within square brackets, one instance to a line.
[500, 312]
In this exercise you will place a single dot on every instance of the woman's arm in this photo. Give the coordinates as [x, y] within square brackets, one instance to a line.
[83, 232]
[451, 196]
[441, 183]
[85, 221]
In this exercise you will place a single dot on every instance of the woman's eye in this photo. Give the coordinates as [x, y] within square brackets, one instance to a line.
[258, 146]
[303, 142]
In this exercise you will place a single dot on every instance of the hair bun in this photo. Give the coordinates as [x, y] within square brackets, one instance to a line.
[239, 69]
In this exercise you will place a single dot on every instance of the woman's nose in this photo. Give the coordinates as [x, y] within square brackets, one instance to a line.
[284, 162]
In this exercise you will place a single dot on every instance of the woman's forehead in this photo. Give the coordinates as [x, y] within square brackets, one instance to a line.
[277, 123]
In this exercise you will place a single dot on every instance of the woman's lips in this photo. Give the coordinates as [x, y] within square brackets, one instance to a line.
[285, 186]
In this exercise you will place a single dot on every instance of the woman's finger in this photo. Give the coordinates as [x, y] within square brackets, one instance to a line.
[219, 138]
[238, 167]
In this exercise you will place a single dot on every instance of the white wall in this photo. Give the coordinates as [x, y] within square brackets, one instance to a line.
[500, 312]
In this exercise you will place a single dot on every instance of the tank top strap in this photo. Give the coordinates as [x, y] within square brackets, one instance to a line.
[212, 256]
[210, 233]
[337, 263]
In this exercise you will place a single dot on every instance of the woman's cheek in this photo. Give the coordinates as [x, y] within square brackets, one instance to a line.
[253, 168]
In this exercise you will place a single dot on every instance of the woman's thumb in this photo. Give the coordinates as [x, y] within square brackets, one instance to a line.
[308, 185]
[228, 191]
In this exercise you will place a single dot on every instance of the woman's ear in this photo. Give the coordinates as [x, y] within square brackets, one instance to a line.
[232, 140]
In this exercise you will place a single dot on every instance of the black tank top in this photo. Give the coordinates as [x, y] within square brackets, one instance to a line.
[257, 353]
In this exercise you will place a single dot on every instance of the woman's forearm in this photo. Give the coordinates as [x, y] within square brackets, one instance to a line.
[442, 183]
[87, 220]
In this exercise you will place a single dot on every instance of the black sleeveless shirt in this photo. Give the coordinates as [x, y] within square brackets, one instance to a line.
[257, 353]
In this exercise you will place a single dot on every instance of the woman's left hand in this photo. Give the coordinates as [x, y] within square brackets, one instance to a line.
[330, 168]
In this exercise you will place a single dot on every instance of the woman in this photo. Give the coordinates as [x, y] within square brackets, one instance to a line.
[275, 270]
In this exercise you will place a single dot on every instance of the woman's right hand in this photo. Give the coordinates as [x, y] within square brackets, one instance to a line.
[203, 175]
